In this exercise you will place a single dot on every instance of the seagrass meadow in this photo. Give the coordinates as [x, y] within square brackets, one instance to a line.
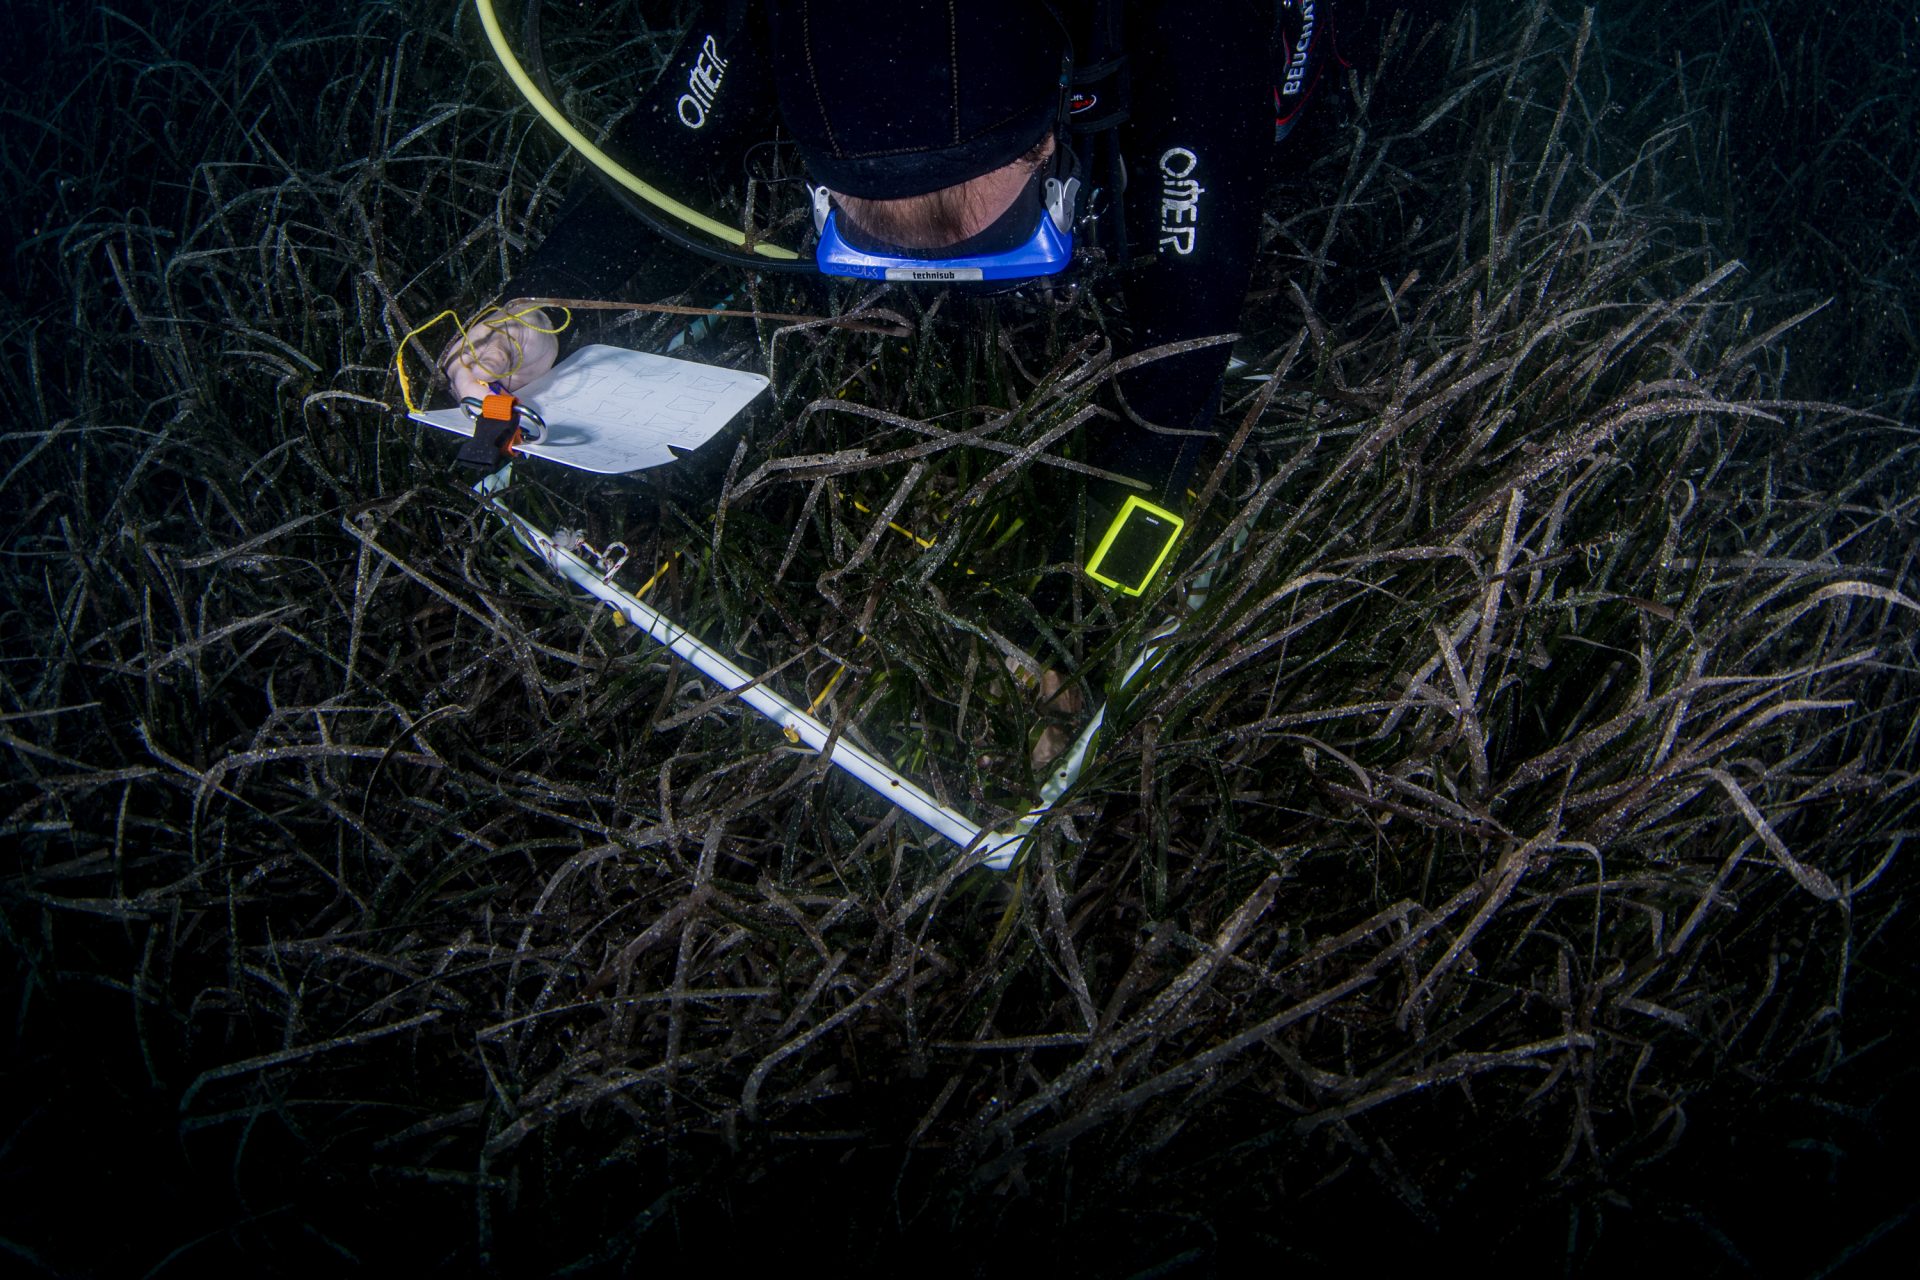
[1506, 865]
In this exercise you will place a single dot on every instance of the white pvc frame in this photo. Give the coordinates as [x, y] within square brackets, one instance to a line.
[997, 848]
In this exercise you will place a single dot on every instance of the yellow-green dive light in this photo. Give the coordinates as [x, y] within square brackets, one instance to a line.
[1135, 547]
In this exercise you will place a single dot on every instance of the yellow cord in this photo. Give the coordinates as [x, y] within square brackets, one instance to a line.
[485, 317]
[814, 706]
[832, 680]
[659, 574]
[913, 537]
[619, 616]
[600, 159]
[902, 530]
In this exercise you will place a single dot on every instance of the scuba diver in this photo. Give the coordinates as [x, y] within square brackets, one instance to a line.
[954, 142]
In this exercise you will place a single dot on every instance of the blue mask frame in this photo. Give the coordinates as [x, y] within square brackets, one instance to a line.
[1048, 251]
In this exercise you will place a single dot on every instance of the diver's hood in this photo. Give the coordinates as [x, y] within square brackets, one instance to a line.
[899, 99]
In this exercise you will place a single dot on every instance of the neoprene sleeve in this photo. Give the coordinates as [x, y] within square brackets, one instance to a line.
[1197, 148]
[691, 129]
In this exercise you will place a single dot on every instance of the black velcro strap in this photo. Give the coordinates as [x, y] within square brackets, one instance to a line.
[490, 445]
[1101, 97]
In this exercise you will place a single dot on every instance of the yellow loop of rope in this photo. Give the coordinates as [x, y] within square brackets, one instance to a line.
[487, 317]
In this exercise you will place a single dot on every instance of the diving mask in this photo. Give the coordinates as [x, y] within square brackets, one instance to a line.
[1033, 237]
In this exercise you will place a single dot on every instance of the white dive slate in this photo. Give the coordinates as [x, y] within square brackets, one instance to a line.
[610, 410]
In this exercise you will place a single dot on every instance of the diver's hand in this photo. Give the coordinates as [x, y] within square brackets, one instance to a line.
[509, 348]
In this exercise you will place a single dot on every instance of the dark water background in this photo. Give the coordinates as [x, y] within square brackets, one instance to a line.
[1808, 176]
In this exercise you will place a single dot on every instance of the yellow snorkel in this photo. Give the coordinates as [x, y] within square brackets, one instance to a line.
[612, 168]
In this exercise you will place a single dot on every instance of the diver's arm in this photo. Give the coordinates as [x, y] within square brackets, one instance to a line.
[1197, 151]
[693, 126]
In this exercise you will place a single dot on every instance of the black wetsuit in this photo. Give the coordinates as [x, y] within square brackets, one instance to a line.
[1190, 110]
